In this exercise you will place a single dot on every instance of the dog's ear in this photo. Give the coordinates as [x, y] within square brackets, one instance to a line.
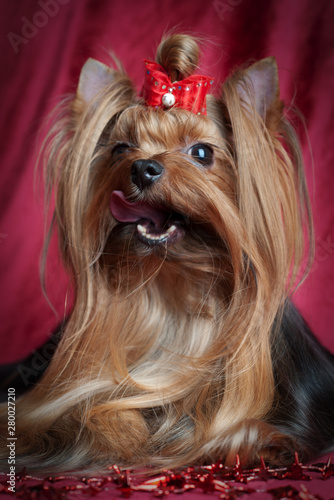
[100, 85]
[271, 189]
[258, 89]
[94, 77]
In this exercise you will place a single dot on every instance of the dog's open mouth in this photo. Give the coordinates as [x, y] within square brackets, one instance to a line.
[154, 224]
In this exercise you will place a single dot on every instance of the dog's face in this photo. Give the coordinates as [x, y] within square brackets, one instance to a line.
[169, 174]
[167, 185]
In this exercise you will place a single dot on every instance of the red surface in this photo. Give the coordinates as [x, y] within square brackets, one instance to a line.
[43, 46]
[296, 482]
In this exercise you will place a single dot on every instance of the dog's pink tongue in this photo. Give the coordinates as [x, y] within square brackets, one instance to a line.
[125, 211]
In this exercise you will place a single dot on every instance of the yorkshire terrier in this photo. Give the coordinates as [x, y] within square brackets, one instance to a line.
[181, 219]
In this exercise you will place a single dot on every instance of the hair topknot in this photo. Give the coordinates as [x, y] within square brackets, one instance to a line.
[179, 55]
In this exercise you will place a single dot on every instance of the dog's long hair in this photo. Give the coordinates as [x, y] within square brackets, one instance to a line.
[169, 355]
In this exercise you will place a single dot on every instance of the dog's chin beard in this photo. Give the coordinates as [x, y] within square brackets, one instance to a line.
[179, 241]
[152, 239]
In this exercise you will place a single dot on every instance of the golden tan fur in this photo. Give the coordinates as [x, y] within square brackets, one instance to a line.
[166, 359]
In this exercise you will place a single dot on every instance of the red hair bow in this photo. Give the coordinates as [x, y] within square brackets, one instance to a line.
[158, 91]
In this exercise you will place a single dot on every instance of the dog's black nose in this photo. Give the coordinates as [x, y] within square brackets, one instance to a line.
[145, 172]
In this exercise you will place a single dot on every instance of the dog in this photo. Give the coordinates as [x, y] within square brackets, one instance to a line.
[181, 219]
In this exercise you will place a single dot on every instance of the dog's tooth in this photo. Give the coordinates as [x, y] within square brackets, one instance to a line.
[153, 237]
[150, 236]
[171, 229]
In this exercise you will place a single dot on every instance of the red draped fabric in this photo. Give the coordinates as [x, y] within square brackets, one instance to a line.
[44, 43]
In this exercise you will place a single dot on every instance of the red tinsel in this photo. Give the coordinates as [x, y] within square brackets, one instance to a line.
[228, 482]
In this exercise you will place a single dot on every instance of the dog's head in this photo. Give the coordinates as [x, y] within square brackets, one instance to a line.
[145, 185]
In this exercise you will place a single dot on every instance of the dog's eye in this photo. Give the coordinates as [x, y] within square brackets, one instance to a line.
[120, 149]
[202, 154]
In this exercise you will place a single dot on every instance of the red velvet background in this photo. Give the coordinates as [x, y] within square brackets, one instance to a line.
[44, 43]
